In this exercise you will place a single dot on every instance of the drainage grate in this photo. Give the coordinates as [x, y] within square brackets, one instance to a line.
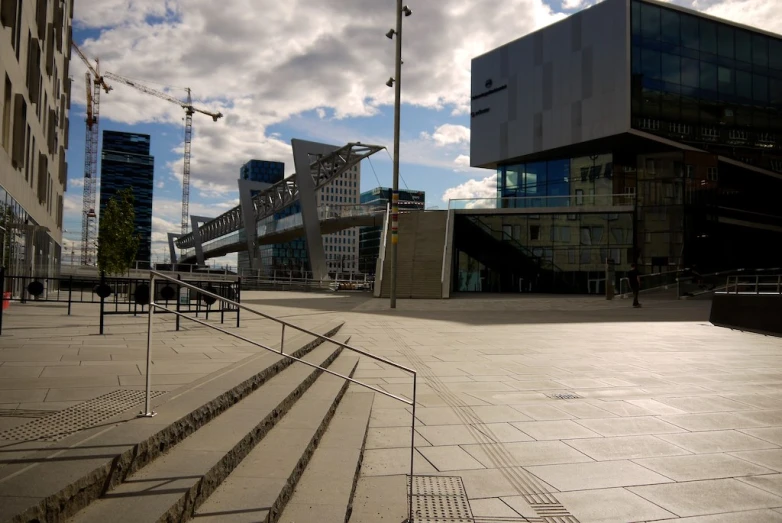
[23, 413]
[440, 498]
[58, 425]
[565, 396]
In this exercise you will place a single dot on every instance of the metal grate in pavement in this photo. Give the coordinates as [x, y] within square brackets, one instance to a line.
[23, 413]
[440, 499]
[565, 396]
[58, 425]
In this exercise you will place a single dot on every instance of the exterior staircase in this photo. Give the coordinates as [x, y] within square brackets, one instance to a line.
[256, 442]
[419, 255]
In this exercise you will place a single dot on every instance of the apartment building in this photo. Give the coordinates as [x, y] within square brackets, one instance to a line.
[35, 91]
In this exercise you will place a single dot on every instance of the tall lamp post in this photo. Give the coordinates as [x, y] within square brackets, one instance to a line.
[397, 97]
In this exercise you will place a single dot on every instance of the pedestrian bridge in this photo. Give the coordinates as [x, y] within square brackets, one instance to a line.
[332, 218]
[316, 165]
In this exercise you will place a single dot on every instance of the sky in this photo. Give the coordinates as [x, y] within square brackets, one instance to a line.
[308, 69]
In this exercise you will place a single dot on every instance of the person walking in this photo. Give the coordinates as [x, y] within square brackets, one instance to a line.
[635, 283]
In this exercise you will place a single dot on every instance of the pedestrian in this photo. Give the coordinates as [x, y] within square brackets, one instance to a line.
[635, 283]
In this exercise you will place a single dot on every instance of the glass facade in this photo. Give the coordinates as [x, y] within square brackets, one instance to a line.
[701, 81]
[125, 162]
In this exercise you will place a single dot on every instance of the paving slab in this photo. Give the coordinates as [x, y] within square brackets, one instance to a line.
[597, 475]
[702, 466]
[613, 505]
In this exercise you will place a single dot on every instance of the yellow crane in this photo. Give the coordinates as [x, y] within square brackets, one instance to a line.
[94, 82]
[187, 105]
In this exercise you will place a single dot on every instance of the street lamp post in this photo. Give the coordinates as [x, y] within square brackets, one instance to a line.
[397, 102]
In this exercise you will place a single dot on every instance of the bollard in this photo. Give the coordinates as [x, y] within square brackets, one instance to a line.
[610, 271]
[70, 293]
[102, 299]
[238, 298]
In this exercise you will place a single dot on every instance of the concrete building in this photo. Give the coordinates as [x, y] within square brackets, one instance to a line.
[370, 238]
[635, 131]
[341, 248]
[34, 104]
[125, 162]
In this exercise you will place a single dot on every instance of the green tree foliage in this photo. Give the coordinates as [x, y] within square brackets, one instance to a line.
[117, 238]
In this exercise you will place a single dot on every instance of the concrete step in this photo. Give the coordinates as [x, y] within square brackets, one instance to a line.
[329, 482]
[44, 481]
[173, 486]
[260, 487]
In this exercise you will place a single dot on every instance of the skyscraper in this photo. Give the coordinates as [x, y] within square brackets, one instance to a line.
[125, 162]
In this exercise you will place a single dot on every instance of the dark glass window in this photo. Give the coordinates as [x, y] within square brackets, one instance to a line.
[670, 26]
[725, 79]
[636, 60]
[671, 68]
[744, 84]
[535, 177]
[708, 76]
[690, 72]
[743, 46]
[558, 171]
[708, 36]
[689, 25]
[775, 92]
[725, 41]
[635, 15]
[760, 89]
[650, 21]
[775, 54]
[651, 103]
[760, 50]
[689, 110]
[650, 60]
[669, 107]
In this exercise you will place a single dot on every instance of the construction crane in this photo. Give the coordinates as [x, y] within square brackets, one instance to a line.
[187, 105]
[94, 82]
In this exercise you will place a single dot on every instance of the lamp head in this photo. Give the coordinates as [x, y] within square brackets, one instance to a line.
[390, 34]
[390, 82]
[407, 11]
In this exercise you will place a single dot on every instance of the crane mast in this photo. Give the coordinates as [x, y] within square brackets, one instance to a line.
[94, 82]
[187, 105]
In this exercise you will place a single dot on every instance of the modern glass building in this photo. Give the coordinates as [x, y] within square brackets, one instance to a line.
[125, 162]
[635, 131]
[371, 237]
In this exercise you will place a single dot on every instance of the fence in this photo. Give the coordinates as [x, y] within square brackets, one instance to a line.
[120, 295]
[757, 284]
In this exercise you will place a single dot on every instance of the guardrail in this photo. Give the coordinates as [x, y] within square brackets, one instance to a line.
[527, 202]
[758, 284]
[150, 323]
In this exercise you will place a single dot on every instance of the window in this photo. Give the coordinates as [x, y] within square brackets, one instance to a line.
[760, 50]
[708, 36]
[670, 26]
[725, 41]
[650, 21]
[690, 32]
[743, 46]
[6, 126]
[712, 174]
[690, 72]
[534, 232]
[708, 76]
[586, 236]
[579, 196]
[671, 68]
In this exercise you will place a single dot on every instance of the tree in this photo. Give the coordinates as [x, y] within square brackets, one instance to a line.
[117, 238]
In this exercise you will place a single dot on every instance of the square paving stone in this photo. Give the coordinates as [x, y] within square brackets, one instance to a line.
[491, 508]
[702, 466]
[770, 434]
[629, 426]
[708, 497]
[558, 429]
[655, 407]
[596, 475]
[695, 404]
[525, 454]
[614, 505]
[625, 447]
[450, 458]
[450, 434]
[542, 412]
[765, 458]
[716, 441]
[771, 483]
[765, 516]
[392, 437]
[502, 433]
[387, 462]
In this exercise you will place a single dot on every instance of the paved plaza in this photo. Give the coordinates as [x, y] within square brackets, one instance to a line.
[543, 406]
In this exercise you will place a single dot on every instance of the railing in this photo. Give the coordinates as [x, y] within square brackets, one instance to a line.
[150, 322]
[529, 202]
[653, 281]
[758, 284]
[542, 262]
[359, 283]
[694, 284]
[325, 212]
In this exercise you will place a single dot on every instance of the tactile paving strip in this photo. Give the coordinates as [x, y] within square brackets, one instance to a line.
[440, 499]
[565, 396]
[79, 417]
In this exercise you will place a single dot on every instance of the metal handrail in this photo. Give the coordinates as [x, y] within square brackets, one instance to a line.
[734, 286]
[152, 306]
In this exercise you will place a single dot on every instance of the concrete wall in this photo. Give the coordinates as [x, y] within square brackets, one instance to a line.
[565, 84]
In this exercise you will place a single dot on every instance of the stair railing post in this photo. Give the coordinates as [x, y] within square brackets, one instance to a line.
[151, 313]
[412, 454]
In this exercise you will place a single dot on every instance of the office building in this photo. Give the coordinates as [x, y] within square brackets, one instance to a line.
[633, 131]
[35, 93]
[341, 248]
[370, 238]
[125, 162]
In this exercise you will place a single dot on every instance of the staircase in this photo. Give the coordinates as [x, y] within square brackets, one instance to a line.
[419, 256]
[256, 442]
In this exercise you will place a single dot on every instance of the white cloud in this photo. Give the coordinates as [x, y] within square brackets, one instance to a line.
[449, 134]
[334, 59]
[757, 13]
[474, 189]
[462, 161]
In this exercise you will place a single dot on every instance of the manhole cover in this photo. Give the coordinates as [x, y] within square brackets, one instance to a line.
[54, 427]
[440, 498]
[565, 396]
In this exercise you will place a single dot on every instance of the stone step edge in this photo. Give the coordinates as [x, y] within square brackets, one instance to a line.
[89, 487]
[189, 501]
[276, 508]
[357, 473]
[287, 492]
